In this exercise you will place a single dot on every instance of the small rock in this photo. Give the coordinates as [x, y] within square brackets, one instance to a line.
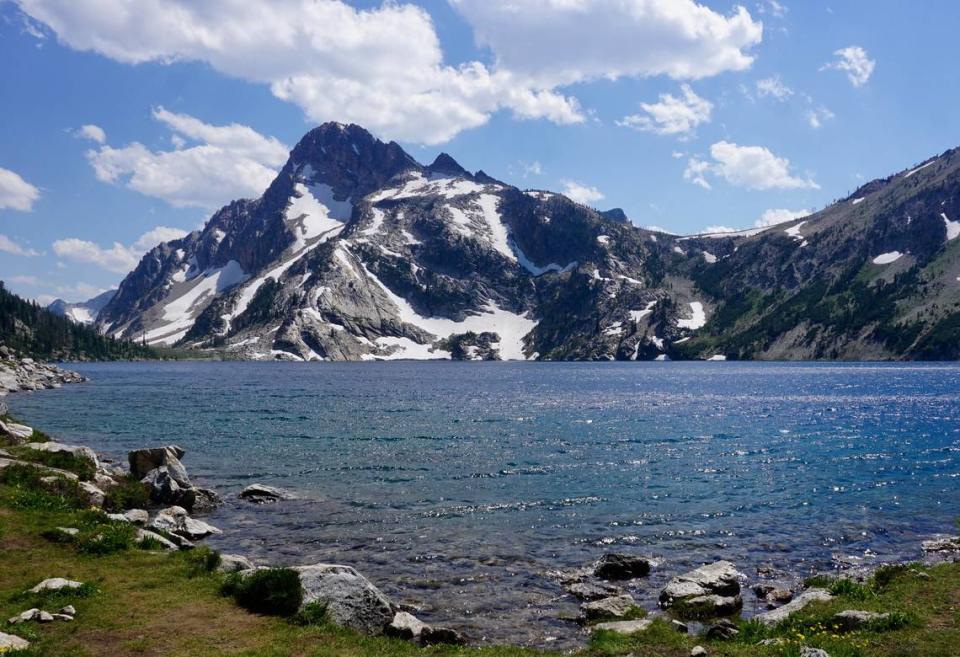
[205, 499]
[175, 520]
[616, 606]
[260, 494]
[137, 516]
[771, 618]
[24, 616]
[104, 482]
[625, 627]
[69, 610]
[706, 606]
[776, 641]
[10, 643]
[592, 590]
[680, 626]
[44, 617]
[807, 651]
[233, 563]
[621, 566]
[144, 535]
[852, 620]
[432, 636]
[406, 626]
[698, 651]
[62, 617]
[722, 630]
[69, 531]
[91, 495]
[55, 584]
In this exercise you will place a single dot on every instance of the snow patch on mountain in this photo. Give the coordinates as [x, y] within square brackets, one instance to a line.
[697, 320]
[953, 227]
[887, 258]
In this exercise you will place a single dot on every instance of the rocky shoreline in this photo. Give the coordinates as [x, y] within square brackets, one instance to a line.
[699, 602]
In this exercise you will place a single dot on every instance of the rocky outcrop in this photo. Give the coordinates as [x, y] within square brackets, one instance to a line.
[55, 584]
[349, 598]
[76, 451]
[166, 478]
[19, 374]
[942, 545]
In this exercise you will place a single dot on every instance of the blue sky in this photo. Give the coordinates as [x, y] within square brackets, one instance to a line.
[686, 114]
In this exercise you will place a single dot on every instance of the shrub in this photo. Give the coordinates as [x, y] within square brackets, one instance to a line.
[847, 588]
[886, 574]
[273, 591]
[202, 560]
[107, 539]
[27, 491]
[314, 613]
[129, 493]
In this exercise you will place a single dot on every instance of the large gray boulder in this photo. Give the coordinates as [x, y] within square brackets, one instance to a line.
[776, 616]
[720, 578]
[164, 489]
[349, 597]
[142, 461]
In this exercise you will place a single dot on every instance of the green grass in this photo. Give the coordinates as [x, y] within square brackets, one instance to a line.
[272, 591]
[129, 493]
[81, 466]
[137, 603]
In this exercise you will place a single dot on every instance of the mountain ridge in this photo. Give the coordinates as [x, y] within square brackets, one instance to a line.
[357, 251]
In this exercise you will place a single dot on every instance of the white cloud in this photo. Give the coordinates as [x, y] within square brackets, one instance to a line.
[231, 161]
[771, 7]
[776, 216]
[774, 88]
[751, 167]
[854, 61]
[565, 41]
[719, 229]
[117, 258]
[384, 67]
[15, 192]
[671, 115]
[7, 245]
[532, 168]
[91, 132]
[581, 193]
[816, 117]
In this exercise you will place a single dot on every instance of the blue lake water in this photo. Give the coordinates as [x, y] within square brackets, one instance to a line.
[462, 487]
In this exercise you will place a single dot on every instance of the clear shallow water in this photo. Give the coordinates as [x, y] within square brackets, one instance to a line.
[461, 488]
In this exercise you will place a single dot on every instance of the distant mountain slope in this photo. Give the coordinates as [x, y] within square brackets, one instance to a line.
[357, 251]
[39, 333]
[84, 312]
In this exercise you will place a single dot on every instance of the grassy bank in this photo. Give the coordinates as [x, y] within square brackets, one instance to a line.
[140, 602]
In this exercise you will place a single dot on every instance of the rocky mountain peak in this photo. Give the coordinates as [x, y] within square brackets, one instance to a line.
[444, 164]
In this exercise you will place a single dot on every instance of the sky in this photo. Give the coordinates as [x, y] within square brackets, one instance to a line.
[124, 123]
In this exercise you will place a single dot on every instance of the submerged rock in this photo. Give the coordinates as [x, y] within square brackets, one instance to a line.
[592, 590]
[261, 494]
[621, 566]
[349, 597]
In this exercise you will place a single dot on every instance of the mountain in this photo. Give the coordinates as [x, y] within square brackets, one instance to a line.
[357, 251]
[84, 312]
[39, 333]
